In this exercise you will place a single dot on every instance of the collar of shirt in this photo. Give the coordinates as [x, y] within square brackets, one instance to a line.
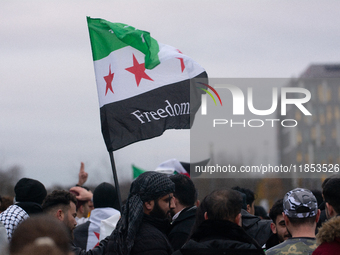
[176, 215]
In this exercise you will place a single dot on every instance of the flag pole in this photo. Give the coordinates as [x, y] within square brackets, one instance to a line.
[114, 171]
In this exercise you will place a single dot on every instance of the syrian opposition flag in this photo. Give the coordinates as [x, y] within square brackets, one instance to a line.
[172, 167]
[143, 85]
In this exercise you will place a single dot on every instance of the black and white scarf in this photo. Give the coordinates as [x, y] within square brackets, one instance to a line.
[148, 186]
[11, 218]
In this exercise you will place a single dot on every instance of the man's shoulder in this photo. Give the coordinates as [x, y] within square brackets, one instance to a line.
[80, 235]
[188, 212]
[301, 246]
[82, 227]
[147, 229]
[150, 240]
[328, 247]
[185, 217]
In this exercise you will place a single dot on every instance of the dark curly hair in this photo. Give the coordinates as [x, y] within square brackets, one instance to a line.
[58, 198]
[276, 210]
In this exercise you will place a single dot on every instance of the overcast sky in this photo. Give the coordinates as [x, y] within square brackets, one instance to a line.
[49, 111]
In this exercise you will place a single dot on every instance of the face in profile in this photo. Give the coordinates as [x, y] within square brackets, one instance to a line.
[70, 218]
[280, 229]
[163, 207]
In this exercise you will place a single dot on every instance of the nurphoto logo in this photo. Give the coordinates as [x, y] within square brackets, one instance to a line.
[289, 97]
[204, 97]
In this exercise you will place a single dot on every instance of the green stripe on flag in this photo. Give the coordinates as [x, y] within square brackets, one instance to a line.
[137, 171]
[107, 37]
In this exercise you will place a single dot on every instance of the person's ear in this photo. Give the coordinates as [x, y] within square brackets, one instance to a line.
[330, 210]
[238, 220]
[205, 215]
[148, 206]
[81, 209]
[285, 217]
[273, 227]
[318, 216]
[60, 215]
[248, 208]
[198, 203]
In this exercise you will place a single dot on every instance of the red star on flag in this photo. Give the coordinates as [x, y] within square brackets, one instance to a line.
[97, 235]
[182, 61]
[108, 80]
[138, 70]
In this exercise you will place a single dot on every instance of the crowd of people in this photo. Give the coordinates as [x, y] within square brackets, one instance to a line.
[162, 215]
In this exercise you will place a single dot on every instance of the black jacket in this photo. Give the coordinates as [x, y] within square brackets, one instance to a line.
[220, 237]
[81, 233]
[255, 227]
[272, 241]
[151, 238]
[181, 227]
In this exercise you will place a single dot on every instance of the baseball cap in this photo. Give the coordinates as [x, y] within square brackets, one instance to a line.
[300, 203]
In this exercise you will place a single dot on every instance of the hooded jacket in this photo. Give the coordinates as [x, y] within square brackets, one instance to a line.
[329, 237]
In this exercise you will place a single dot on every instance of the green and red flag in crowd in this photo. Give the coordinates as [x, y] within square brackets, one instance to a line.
[143, 86]
[171, 167]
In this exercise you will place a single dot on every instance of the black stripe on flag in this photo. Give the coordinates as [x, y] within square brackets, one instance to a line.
[149, 114]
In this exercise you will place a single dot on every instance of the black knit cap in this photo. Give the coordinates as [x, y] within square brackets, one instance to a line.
[104, 195]
[29, 190]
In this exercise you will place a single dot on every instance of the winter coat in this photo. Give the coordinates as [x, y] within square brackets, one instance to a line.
[181, 227]
[329, 238]
[255, 227]
[151, 238]
[220, 237]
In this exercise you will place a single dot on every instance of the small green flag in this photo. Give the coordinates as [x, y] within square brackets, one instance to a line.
[137, 171]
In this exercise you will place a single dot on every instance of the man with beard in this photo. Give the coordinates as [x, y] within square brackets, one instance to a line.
[278, 225]
[61, 204]
[145, 218]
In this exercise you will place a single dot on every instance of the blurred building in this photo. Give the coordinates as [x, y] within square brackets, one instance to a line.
[316, 138]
